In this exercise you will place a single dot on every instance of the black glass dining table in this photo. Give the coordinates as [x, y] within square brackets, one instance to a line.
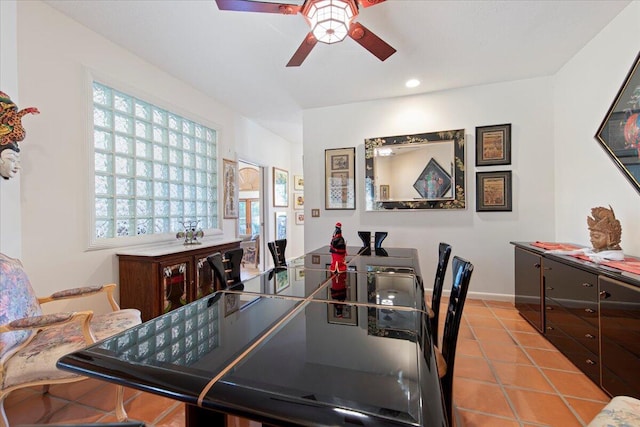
[298, 345]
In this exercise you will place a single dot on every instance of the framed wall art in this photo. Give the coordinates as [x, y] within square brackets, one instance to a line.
[299, 217]
[280, 281]
[384, 192]
[298, 200]
[493, 191]
[619, 132]
[340, 185]
[280, 188]
[417, 171]
[231, 303]
[230, 188]
[493, 145]
[298, 182]
[281, 225]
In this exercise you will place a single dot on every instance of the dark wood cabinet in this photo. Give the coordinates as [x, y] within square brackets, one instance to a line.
[529, 298]
[571, 315]
[159, 279]
[591, 313]
[620, 337]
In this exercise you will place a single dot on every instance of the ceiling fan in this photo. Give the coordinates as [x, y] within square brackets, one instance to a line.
[331, 21]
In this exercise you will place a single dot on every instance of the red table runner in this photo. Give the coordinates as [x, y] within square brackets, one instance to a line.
[630, 264]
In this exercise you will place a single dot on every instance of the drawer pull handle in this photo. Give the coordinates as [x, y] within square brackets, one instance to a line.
[604, 295]
[587, 285]
[549, 288]
[590, 362]
[549, 308]
[589, 310]
[550, 328]
[590, 336]
[536, 265]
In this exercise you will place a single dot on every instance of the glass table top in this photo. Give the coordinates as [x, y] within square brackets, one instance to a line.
[301, 336]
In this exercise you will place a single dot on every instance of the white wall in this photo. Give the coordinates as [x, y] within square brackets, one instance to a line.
[483, 238]
[54, 56]
[585, 174]
[560, 171]
[259, 146]
[10, 221]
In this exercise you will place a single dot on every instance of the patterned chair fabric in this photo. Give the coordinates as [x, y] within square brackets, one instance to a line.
[17, 301]
[32, 343]
[621, 411]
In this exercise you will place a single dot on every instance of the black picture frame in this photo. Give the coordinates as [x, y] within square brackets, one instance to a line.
[340, 178]
[493, 145]
[434, 181]
[619, 132]
[493, 191]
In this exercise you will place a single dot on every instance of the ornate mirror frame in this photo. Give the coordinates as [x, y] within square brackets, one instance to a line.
[619, 133]
[457, 198]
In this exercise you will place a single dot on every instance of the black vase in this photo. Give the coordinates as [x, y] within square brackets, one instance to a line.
[365, 236]
[379, 237]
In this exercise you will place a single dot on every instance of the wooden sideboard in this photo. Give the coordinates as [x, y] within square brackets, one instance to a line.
[590, 312]
[159, 279]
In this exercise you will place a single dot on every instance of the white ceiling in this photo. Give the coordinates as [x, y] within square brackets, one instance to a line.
[239, 58]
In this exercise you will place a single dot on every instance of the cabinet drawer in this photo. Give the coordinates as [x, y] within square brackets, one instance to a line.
[569, 285]
[576, 351]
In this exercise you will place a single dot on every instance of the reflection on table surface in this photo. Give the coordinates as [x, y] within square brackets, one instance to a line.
[292, 346]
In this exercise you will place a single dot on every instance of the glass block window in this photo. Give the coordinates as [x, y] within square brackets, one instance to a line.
[153, 169]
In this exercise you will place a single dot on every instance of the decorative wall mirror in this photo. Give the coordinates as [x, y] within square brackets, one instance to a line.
[619, 133]
[421, 171]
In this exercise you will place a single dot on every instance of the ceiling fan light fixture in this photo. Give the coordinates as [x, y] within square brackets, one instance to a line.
[330, 19]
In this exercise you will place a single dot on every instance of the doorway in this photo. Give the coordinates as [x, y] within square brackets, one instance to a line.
[250, 217]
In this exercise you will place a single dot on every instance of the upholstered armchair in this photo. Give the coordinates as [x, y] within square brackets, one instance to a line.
[31, 343]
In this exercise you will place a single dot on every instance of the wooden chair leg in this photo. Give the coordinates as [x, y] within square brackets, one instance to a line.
[121, 413]
[4, 421]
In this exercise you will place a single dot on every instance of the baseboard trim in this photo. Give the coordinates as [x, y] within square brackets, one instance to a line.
[486, 295]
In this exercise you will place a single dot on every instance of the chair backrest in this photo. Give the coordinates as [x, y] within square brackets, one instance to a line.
[215, 261]
[17, 300]
[461, 271]
[444, 252]
[233, 260]
[277, 248]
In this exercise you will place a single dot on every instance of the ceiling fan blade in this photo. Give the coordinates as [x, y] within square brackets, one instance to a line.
[370, 41]
[303, 51]
[258, 6]
[367, 3]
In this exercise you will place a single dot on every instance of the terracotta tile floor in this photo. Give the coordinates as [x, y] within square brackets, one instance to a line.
[506, 374]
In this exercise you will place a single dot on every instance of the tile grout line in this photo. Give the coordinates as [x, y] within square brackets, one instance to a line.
[539, 369]
[493, 372]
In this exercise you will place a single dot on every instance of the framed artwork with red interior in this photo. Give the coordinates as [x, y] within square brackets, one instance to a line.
[493, 145]
[493, 191]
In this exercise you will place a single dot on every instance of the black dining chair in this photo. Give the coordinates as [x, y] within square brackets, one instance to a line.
[232, 260]
[277, 248]
[219, 270]
[445, 355]
[433, 308]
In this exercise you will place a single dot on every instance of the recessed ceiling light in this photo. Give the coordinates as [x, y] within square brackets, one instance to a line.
[411, 83]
